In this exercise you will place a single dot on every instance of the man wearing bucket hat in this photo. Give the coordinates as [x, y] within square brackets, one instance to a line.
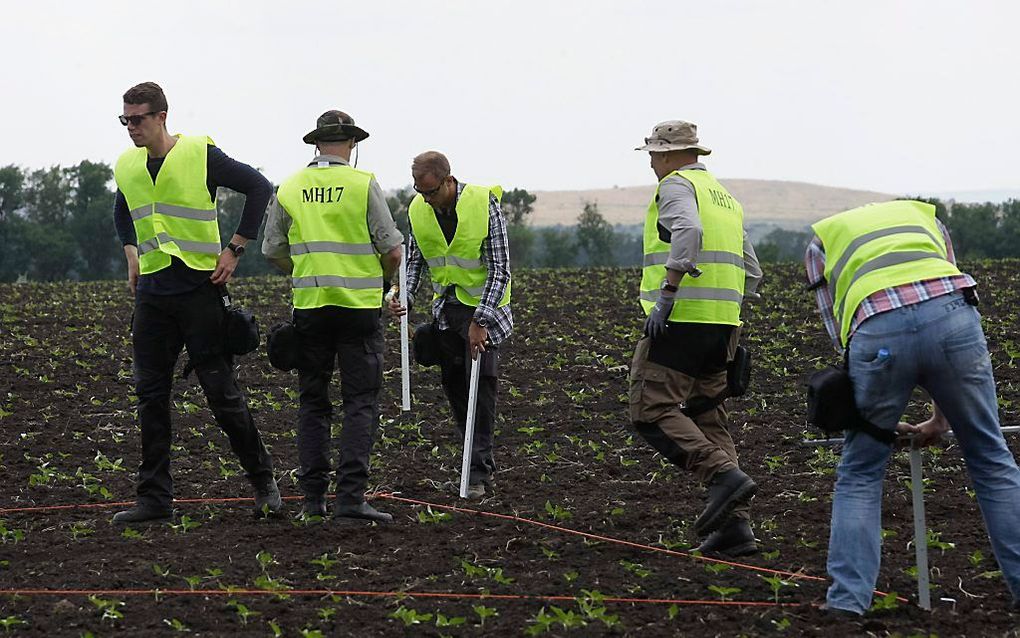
[698, 268]
[330, 228]
[458, 235]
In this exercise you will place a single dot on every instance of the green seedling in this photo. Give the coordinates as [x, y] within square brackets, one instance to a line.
[265, 559]
[636, 568]
[557, 513]
[409, 616]
[176, 624]
[10, 535]
[159, 570]
[976, 558]
[10, 622]
[192, 581]
[484, 613]
[428, 516]
[724, 592]
[570, 577]
[184, 525]
[885, 602]
[242, 611]
[109, 607]
[776, 583]
[716, 568]
[326, 613]
[453, 621]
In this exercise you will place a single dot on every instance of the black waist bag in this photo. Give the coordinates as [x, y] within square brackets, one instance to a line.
[426, 344]
[738, 380]
[832, 409]
[282, 346]
[241, 330]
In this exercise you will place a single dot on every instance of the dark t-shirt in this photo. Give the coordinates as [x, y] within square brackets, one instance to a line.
[695, 349]
[221, 171]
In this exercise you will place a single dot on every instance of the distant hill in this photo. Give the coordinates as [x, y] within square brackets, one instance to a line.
[787, 204]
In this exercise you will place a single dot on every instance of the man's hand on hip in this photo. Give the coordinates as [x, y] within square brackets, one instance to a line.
[225, 267]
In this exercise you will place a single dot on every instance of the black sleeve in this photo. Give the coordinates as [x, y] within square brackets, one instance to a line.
[237, 176]
[122, 221]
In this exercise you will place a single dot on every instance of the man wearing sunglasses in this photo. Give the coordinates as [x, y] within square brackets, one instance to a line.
[458, 234]
[331, 230]
[698, 268]
[165, 214]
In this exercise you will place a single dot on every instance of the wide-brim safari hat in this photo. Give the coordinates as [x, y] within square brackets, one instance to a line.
[335, 126]
[674, 135]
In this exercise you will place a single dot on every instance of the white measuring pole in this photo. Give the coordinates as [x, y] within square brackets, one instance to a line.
[405, 358]
[920, 530]
[469, 429]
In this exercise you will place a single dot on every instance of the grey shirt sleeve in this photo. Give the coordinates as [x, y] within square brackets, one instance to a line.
[678, 213]
[382, 228]
[752, 270]
[275, 244]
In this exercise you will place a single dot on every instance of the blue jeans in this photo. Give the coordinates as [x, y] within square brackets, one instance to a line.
[937, 344]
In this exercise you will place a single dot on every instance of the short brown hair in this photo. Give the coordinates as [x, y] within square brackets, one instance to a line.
[146, 93]
[431, 162]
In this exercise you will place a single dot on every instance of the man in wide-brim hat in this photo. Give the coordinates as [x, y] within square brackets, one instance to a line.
[331, 230]
[698, 267]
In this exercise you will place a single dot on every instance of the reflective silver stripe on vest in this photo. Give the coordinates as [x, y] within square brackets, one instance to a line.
[334, 281]
[720, 257]
[453, 260]
[186, 213]
[140, 212]
[884, 261]
[837, 270]
[704, 257]
[656, 259]
[205, 248]
[685, 292]
[337, 247]
[147, 246]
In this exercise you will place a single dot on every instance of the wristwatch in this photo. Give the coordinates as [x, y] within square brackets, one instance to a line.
[236, 249]
[482, 322]
[668, 287]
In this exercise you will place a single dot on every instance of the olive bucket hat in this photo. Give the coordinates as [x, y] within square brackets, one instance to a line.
[335, 126]
[674, 135]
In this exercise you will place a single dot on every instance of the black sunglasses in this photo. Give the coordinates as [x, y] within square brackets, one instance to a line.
[135, 119]
[432, 192]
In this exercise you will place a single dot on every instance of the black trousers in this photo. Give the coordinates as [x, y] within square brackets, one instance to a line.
[163, 325]
[354, 338]
[456, 373]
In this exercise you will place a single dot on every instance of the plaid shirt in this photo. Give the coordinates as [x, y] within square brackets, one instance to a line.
[883, 300]
[495, 256]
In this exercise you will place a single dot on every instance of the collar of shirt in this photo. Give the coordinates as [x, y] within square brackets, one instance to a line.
[456, 198]
[331, 159]
[696, 166]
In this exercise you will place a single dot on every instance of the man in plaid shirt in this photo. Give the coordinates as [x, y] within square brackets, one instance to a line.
[458, 233]
[892, 298]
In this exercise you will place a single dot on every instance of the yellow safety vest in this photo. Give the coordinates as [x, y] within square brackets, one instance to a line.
[174, 216]
[716, 295]
[459, 262]
[879, 246]
[335, 263]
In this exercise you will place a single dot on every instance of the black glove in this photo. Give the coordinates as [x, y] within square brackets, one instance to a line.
[655, 324]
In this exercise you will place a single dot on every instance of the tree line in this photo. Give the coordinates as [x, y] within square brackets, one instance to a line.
[57, 223]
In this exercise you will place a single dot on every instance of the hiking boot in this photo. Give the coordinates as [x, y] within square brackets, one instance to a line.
[267, 496]
[726, 491]
[143, 513]
[313, 506]
[475, 491]
[361, 512]
[732, 539]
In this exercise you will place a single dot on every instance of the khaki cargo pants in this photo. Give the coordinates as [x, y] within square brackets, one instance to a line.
[701, 445]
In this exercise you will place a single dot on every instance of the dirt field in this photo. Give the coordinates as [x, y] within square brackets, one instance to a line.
[567, 459]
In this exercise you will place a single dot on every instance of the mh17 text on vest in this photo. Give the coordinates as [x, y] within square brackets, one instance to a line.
[321, 194]
[720, 198]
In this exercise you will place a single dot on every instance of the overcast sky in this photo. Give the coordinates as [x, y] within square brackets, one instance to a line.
[899, 97]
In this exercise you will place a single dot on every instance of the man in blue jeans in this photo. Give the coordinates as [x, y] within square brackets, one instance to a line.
[885, 275]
